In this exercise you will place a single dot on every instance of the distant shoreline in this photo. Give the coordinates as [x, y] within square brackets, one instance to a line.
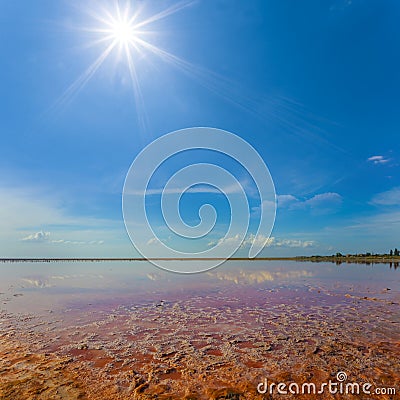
[336, 259]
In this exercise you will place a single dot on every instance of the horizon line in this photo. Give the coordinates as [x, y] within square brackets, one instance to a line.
[385, 257]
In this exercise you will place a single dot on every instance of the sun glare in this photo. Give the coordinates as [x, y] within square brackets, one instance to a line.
[120, 29]
[123, 32]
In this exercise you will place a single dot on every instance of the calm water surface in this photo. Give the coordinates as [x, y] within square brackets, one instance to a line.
[43, 287]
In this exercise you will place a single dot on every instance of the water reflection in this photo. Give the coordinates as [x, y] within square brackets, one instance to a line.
[254, 277]
[392, 264]
[395, 265]
[60, 283]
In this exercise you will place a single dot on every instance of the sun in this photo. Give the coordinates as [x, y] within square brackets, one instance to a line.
[119, 28]
[120, 25]
[123, 32]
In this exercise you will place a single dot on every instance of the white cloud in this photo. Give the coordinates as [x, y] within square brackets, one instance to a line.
[262, 240]
[30, 213]
[378, 159]
[268, 208]
[233, 241]
[286, 200]
[295, 243]
[78, 242]
[388, 198]
[37, 237]
[383, 223]
[26, 209]
[152, 241]
[40, 237]
[231, 189]
[322, 201]
[259, 240]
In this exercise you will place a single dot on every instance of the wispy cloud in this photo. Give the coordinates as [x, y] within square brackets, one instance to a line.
[231, 189]
[340, 5]
[380, 223]
[232, 241]
[152, 241]
[286, 200]
[388, 198]
[28, 215]
[324, 200]
[41, 237]
[378, 160]
[295, 243]
[320, 202]
[78, 242]
[25, 209]
[263, 241]
[377, 232]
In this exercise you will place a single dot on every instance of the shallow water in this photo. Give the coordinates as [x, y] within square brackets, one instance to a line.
[130, 330]
[33, 287]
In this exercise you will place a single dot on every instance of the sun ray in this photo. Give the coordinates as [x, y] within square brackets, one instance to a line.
[141, 110]
[166, 13]
[282, 111]
[82, 80]
[121, 30]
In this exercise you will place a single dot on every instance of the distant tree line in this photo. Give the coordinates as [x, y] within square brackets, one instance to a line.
[392, 253]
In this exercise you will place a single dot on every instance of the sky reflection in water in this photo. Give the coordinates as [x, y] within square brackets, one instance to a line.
[41, 286]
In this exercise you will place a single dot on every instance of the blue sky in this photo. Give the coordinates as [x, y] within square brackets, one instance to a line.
[313, 86]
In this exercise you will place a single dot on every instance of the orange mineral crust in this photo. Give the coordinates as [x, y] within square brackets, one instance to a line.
[217, 344]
